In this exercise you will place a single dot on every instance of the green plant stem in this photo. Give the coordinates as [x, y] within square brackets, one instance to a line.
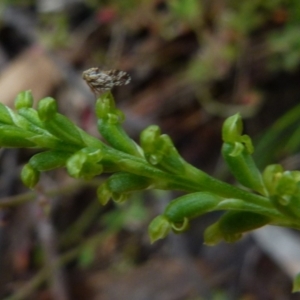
[204, 181]
[192, 180]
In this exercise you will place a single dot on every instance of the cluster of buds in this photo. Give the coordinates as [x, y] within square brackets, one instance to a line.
[271, 197]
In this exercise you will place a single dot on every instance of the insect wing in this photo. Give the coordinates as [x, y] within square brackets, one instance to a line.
[100, 81]
[119, 77]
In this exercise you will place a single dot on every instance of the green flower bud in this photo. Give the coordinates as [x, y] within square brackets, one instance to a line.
[119, 185]
[160, 151]
[159, 228]
[24, 100]
[109, 126]
[232, 132]
[85, 164]
[47, 109]
[191, 206]
[49, 160]
[212, 235]
[270, 176]
[94, 154]
[30, 176]
[148, 139]
[103, 193]
[243, 167]
[284, 189]
[105, 106]
[119, 198]
[233, 224]
[236, 151]
[286, 194]
[115, 135]
[232, 128]
[289, 205]
[286, 184]
[124, 183]
[171, 161]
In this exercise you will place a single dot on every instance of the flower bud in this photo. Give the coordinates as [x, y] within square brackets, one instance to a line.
[236, 151]
[270, 176]
[233, 224]
[159, 228]
[115, 135]
[105, 105]
[30, 176]
[286, 193]
[160, 151]
[148, 138]
[243, 167]
[24, 100]
[232, 132]
[85, 165]
[119, 185]
[103, 193]
[191, 206]
[212, 235]
[49, 160]
[124, 183]
[47, 109]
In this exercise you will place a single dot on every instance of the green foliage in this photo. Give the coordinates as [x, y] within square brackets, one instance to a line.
[296, 283]
[54, 29]
[270, 198]
[285, 47]
[188, 10]
[281, 138]
[232, 225]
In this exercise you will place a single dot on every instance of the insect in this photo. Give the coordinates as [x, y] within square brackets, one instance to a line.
[100, 81]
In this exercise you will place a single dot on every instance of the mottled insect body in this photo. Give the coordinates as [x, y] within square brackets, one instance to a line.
[100, 81]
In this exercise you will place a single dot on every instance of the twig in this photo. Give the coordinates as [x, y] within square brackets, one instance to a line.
[43, 274]
[69, 188]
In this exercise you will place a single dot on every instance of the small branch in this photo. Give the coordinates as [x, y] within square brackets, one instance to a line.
[69, 188]
[45, 272]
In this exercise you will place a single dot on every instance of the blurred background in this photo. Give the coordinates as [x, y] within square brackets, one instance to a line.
[193, 63]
